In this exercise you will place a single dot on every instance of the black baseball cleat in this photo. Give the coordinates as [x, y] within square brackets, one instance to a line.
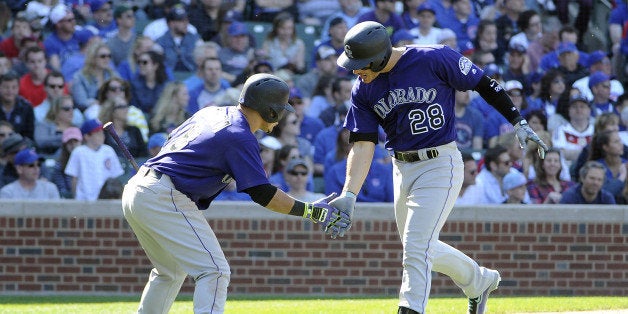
[478, 305]
[405, 310]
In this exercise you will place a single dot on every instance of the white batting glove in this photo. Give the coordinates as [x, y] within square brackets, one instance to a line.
[525, 133]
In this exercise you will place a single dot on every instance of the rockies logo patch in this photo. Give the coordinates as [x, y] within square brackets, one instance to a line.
[465, 65]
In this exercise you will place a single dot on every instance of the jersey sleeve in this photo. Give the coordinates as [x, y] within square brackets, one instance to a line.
[457, 70]
[360, 117]
[244, 160]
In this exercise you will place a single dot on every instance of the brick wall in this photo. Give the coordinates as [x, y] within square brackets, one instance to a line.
[70, 247]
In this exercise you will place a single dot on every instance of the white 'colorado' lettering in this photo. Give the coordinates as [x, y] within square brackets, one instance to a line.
[402, 96]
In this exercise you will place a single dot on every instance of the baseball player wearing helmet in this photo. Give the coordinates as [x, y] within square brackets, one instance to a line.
[201, 157]
[409, 92]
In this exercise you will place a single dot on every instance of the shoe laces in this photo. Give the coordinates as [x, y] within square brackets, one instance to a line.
[473, 304]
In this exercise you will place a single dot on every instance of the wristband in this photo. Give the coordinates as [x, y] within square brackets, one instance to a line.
[298, 209]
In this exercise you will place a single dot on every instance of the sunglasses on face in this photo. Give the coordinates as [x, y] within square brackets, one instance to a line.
[142, 62]
[53, 86]
[299, 173]
[105, 56]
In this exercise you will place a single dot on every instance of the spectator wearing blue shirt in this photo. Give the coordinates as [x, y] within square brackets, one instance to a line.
[337, 31]
[62, 42]
[212, 87]
[178, 43]
[469, 123]
[384, 13]
[350, 11]
[600, 86]
[149, 82]
[589, 190]
[310, 126]
[463, 22]
[567, 34]
[102, 13]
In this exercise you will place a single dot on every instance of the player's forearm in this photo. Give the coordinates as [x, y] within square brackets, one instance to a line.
[495, 96]
[281, 203]
[358, 165]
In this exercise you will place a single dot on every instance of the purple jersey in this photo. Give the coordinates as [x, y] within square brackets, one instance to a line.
[209, 150]
[414, 102]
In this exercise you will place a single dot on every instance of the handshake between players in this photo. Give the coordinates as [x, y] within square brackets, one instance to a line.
[333, 212]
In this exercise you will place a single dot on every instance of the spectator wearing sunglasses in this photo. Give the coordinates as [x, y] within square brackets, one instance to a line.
[296, 175]
[54, 86]
[48, 133]
[28, 185]
[97, 70]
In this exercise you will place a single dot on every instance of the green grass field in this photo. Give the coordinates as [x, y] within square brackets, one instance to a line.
[299, 305]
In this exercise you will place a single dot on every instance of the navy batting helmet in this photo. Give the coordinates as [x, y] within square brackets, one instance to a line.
[266, 94]
[366, 44]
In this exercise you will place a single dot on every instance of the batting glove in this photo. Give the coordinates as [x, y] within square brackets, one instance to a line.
[333, 220]
[346, 204]
[524, 133]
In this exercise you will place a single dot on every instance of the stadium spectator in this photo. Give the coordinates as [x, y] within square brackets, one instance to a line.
[171, 108]
[600, 85]
[566, 35]
[529, 22]
[335, 39]
[552, 88]
[121, 41]
[149, 82]
[350, 11]
[571, 137]
[316, 12]
[321, 96]
[282, 47]
[11, 145]
[269, 147]
[201, 52]
[206, 95]
[178, 43]
[569, 66]
[622, 196]
[325, 66]
[486, 38]
[102, 18]
[516, 67]
[426, 33]
[265, 10]
[581, 22]
[15, 108]
[48, 133]
[75, 60]
[129, 67]
[401, 38]
[71, 138]
[159, 25]
[92, 163]
[341, 101]
[116, 110]
[589, 190]
[155, 143]
[296, 175]
[514, 184]
[310, 126]
[29, 185]
[384, 13]
[547, 186]
[5, 64]
[410, 14]
[507, 24]
[62, 42]
[470, 173]
[205, 16]
[599, 61]
[12, 45]
[448, 38]
[469, 123]
[237, 53]
[95, 72]
[32, 83]
[607, 149]
[287, 132]
[463, 22]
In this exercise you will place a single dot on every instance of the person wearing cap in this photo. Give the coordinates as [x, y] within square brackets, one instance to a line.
[92, 163]
[269, 147]
[426, 33]
[589, 190]
[155, 142]
[29, 185]
[337, 31]
[122, 40]
[599, 61]
[384, 13]
[296, 174]
[567, 34]
[237, 53]
[463, 22]
[568, 57]
[102, 18]
[159, 26]
[325, 66]
[71, 138]
[516, 67]
[15, 108]
[448, 38]
[572, 136]
[401, 38]
[11, 144]
[178, 43]
[62, 42]
[32, 83]
[600, 86]
[514, 184]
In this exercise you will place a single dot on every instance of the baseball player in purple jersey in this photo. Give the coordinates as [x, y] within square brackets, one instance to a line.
[161, 202]
[409, 91]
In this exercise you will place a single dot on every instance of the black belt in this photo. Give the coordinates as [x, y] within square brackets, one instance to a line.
[413, 156]
[153, 173]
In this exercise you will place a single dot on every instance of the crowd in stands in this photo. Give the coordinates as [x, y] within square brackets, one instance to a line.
[67, 67]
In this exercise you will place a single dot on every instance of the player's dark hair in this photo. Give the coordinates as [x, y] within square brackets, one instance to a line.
[492, 154]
